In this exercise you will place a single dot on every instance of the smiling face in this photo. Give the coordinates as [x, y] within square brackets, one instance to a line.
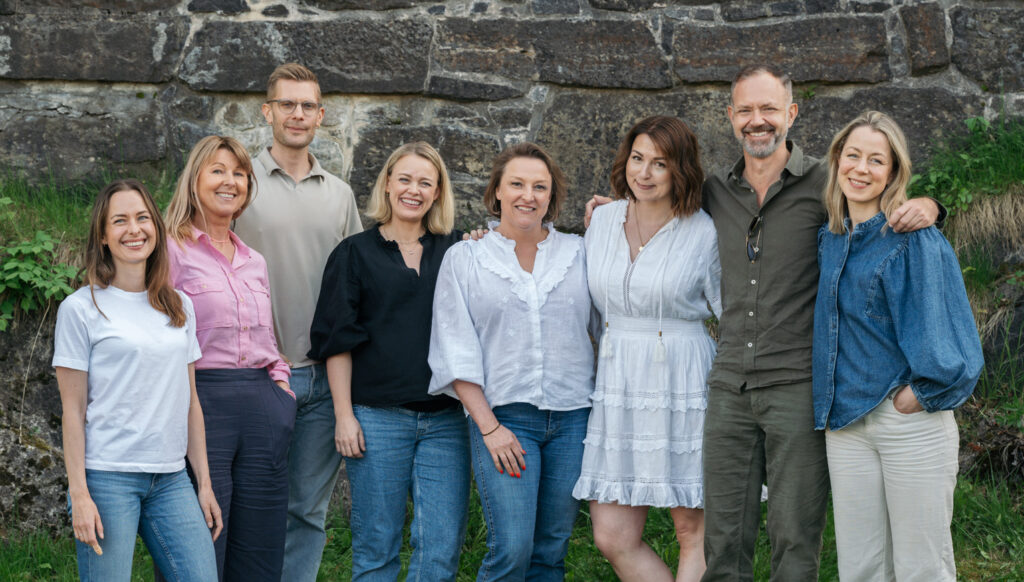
[761, 113]
[296, 129]
[128, 230]
[865, 169]
[524, 193]
[647, 172]
[222, 186]
[412, 188]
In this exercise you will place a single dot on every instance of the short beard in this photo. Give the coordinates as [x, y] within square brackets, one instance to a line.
[762, 151]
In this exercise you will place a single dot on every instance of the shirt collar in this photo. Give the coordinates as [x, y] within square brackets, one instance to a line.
[795, 166]
[272, 166]
[241, 251]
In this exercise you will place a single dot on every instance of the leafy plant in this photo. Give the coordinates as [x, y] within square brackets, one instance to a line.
[31, 277]
[983, 162]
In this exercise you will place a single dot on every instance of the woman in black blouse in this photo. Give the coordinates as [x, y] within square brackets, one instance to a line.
[372, 326]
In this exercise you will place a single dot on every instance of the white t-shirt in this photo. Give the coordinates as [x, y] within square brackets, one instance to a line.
[136, 419]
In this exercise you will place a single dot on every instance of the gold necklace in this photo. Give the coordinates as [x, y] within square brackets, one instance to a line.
[639, 233]
[411, 251]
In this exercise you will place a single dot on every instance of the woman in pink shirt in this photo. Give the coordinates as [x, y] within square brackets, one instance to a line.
[241, 379]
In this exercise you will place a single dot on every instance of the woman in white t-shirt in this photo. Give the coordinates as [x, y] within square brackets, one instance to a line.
[124, 347]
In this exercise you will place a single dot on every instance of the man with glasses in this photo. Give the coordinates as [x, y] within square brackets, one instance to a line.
[760, 421]
[300, 213]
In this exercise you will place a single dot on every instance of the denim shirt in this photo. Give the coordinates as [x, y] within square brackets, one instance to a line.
[891, 310]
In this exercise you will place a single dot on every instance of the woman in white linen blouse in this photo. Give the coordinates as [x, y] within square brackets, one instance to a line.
[509, 339]
[654, 276]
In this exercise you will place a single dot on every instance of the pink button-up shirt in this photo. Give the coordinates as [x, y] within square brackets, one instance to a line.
[232, 302]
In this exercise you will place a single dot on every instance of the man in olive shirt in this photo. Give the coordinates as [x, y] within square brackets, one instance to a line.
[760, 425]
[299, 214]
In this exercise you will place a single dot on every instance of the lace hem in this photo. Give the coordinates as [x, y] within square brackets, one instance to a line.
[630, 493]
[651, 401]
[645, 443]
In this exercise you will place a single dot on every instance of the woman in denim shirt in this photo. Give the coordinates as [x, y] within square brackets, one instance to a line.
[895, 350]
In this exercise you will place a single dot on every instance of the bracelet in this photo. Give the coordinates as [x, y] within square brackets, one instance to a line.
[490, 432]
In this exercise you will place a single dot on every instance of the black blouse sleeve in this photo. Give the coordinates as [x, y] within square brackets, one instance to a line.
[336, 328]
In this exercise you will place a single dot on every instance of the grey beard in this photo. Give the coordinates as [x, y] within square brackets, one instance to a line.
[765, 151]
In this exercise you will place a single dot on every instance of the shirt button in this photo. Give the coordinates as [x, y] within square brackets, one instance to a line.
[749, 345]
[750, 313]
[245, 328]
[753, 281]
[243, 358]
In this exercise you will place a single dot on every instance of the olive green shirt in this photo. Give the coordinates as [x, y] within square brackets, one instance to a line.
[767, 304]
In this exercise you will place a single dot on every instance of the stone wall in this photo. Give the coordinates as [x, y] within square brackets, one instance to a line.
[90, 85]
[94, 86]
[87, 86]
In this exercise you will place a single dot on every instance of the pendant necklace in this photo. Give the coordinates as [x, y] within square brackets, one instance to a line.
[639, 233]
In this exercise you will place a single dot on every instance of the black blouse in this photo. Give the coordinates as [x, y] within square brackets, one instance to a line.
[374, 306]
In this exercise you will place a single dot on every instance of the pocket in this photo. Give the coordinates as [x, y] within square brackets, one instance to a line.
[892, 403]
[261, 296]
[210, 299]
[280, 416]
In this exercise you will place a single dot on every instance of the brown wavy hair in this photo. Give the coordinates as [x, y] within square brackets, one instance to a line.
[99, 263]
[679, 146]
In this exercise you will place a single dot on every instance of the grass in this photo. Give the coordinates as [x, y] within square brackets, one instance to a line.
[988, 538]
[57, 208]
[984, 161]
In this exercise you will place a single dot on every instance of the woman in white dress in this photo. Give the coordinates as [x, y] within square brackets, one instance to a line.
[653, 270]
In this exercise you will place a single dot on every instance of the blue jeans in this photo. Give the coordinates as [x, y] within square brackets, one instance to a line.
[312, 471]
[425, 454]
[160, 507]
[529, 519]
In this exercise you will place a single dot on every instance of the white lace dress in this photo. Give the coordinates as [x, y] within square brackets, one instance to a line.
[644, 437]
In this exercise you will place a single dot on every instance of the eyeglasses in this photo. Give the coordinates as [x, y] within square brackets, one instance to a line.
[287, 106]
[754, 232]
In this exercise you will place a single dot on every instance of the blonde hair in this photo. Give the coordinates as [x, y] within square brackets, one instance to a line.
[291, 72]
[895, 192]
[184, 206]
[99, 263]
[440, 219]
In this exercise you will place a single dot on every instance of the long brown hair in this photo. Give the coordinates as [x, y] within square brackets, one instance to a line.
[99, 264]
[679, 146]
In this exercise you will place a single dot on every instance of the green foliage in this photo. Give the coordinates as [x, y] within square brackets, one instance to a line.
[984, 161]
[31, 277]
[1001, 386]
[1016, 278]
[988, 533]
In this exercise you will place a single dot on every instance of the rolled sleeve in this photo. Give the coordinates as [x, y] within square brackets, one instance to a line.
[336, 328]
[455, 350]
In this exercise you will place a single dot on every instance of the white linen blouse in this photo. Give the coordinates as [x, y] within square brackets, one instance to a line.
[521, 336]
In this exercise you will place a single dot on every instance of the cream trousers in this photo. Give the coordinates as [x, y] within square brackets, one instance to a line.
[893, 477]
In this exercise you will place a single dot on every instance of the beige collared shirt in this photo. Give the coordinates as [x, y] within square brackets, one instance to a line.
[295, 226]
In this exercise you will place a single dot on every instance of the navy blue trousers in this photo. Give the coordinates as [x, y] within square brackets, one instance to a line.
[249, 422]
